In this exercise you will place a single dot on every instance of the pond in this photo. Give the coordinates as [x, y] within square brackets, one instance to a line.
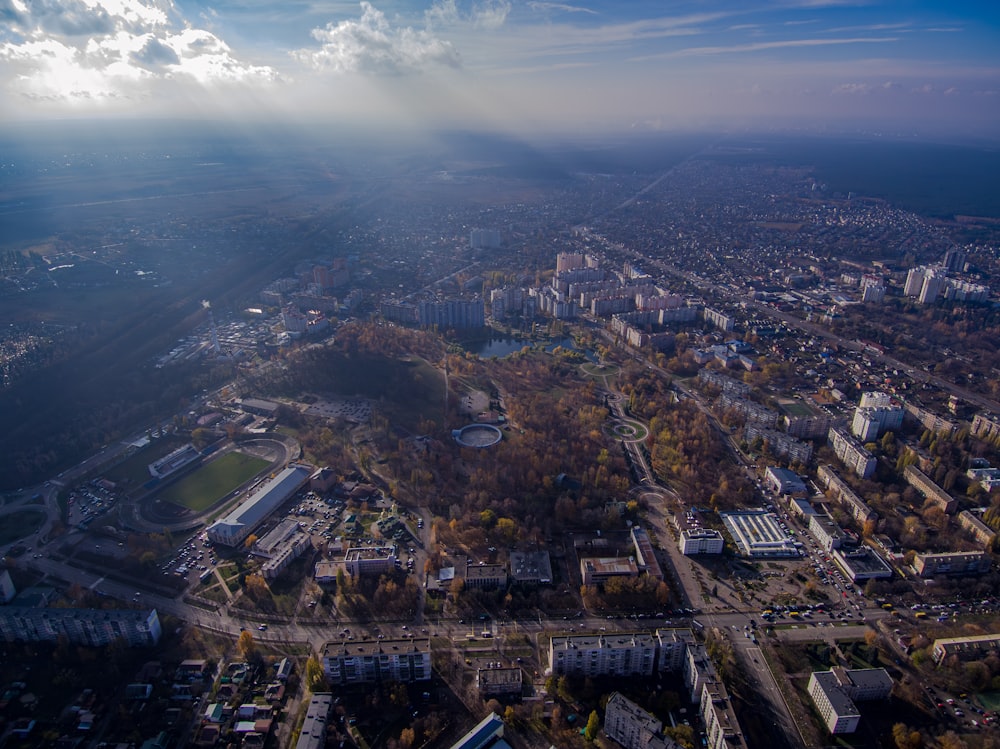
[569, 343]
[501, 346]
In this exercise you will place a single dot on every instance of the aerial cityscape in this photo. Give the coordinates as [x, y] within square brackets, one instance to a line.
[499, 375]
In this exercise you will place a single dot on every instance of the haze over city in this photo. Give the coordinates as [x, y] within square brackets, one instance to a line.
[499, 374]
[925, 68]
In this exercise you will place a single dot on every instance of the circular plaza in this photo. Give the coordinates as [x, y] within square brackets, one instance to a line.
[477, 435]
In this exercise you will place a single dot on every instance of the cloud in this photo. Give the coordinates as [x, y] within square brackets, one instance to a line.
[563, 7]
[760, 46]
[155, 53]
[111, 50]
[904, 26]
[372, 45]
[853, 89]
[490, 15]
[70, 17]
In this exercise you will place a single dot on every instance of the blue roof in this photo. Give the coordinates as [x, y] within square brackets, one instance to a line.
[488, 728]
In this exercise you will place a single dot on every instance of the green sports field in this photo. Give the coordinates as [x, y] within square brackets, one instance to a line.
[213, 481]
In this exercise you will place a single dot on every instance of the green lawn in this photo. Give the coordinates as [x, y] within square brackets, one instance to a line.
[213, 481]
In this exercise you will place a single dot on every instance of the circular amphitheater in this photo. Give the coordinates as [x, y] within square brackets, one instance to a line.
[477, 435]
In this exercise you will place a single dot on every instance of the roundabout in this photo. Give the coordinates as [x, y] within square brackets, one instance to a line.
[627, 430]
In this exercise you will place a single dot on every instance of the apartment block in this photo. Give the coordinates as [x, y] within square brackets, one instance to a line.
[623, 654]
[91, 627]
[371, 661]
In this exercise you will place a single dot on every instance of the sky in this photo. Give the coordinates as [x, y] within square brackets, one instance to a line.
[894, 67]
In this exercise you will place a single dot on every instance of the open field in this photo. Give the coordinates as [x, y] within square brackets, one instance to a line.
[19, 524]
[213, 481]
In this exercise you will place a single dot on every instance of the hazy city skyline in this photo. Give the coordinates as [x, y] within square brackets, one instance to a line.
[899, 68]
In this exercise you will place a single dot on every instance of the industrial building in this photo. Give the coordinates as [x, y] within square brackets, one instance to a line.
[759, 534]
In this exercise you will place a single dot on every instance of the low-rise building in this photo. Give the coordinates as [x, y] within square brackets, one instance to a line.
[975, 647]
[487, 733]
[499, 682]
[485, 576]
[929, 490]
[861, 564]
[531, 567]
[952, 563]
[784, 482]
[287, 552]
[325, 571]
[979, 530]
[369, 560]
[645, 556]
[700, 541]
[597, 570]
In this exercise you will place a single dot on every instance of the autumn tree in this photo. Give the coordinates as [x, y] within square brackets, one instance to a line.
[593, 726]
[905, 738]
[246, 645]
[315, 678]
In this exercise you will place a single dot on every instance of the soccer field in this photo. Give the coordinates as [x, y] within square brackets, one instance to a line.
[213, 481]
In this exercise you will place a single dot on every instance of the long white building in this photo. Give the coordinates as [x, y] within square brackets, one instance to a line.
[234, 528]
[758, 534]
[91, 627]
